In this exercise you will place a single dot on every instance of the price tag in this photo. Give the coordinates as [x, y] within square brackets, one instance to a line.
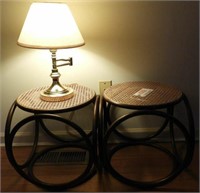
[143, 92]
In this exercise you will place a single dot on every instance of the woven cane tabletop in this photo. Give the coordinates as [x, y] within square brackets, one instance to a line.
[31, 101]
[129, 94]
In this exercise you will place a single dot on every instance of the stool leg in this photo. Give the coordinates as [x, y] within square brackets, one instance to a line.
[95, 130]
[170, 111]
[190, 127]
[100, 135]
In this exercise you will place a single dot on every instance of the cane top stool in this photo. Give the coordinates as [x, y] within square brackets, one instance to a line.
[50, 117]
[145, 98]
[31, 101]
[142, 94]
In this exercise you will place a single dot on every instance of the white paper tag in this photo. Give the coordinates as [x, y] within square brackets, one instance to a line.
[143, 92]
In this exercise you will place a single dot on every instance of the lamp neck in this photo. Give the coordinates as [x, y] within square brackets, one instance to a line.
[53, 57]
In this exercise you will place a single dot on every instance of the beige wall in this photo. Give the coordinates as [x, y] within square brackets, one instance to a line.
[125, 40]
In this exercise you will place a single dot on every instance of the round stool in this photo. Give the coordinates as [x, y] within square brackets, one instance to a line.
[144, 99]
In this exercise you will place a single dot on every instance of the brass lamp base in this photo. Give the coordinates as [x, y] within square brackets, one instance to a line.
[57, 97]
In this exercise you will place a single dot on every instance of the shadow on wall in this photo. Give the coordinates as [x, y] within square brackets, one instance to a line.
[154, 40]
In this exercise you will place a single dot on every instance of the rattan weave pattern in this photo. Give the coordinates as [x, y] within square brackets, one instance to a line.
[123, 94]
[31, 99]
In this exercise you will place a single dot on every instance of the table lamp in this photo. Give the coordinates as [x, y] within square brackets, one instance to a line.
[51, 26]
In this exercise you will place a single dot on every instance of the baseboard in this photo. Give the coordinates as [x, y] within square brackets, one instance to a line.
[25, 138]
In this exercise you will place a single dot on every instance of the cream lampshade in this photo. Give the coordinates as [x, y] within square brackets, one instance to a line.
[51, 26]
